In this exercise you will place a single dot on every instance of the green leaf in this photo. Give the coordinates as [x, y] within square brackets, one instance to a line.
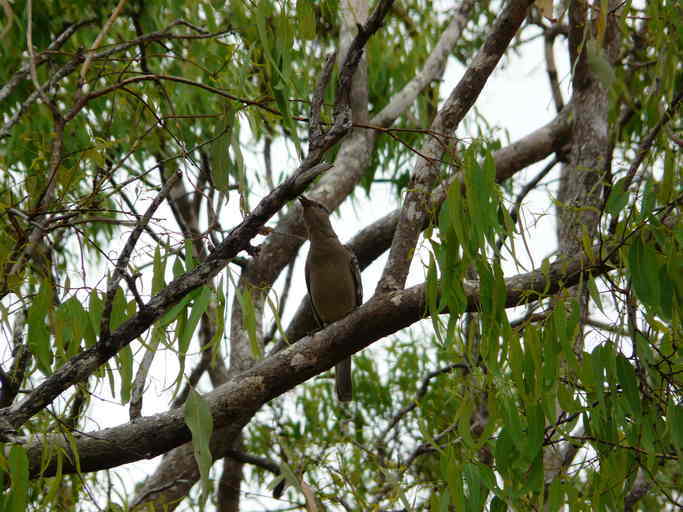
[555, 496]
[516, 358]
[599, 63]
[173, 313]
[595, 294]
[440, 502]
[178, 268]
[220, 155]
[498, 505]
[125, 359]
[199, 421]
[506, 452]
[666, 187]
[289, 475]
[535, 430]
[118, 309]
[158, 271]
[198, 309]
[38, 332]
[190, 260]
[566, 399]
[629, 384]
[649, 199]
[95, 308]
[675, 416]
[455, 484]
[18, 470]
[306, 17]
[644, 271]
[219, 322]
[618, 197]
[534, 480]
[667, 292]
[476, 490]
[76, 322]
[513, 424]
[249, 318]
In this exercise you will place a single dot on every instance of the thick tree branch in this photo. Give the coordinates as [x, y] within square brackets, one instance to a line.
[431, 70]
[447, 120]
[233, 403]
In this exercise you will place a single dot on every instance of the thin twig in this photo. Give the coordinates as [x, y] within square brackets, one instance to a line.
[100, 36]
[122, 262]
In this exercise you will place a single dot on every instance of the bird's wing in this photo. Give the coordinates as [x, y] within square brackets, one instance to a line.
[355, 272]
[307, 273]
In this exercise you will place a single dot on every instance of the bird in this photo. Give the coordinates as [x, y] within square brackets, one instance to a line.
[332, 279]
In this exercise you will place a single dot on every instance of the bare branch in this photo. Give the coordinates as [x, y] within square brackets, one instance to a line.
[421, 392]
[98, 40]
[32, 64]
[644, 148]
[11, 381]
[23, 72]
[426, 170]
[549, 36]
[315, 131]
[433, 67]
[126, 253]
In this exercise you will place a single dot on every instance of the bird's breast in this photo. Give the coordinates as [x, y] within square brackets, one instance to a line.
[332, 285]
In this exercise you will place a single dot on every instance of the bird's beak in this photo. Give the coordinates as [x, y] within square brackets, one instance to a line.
[305, 201]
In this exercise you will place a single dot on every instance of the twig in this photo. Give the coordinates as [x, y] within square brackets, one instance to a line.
[123, 259]
[644, 148]
[32, 63]
[315, 131]
[420, 393]
[100, 36]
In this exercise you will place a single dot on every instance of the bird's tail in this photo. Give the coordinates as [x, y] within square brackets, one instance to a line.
[343, 383]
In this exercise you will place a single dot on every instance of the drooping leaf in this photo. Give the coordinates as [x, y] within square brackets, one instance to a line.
[200, 422]
[125, 360]
[38, 332]
[18, 471]
[618, 197]
[158, 271]
[198, 309]
[644, 271]
[306, 18]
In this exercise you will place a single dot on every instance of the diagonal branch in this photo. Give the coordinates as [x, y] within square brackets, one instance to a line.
[84, 364]
[433, 67]
[233, 403]
[124, 258]
[426, 170]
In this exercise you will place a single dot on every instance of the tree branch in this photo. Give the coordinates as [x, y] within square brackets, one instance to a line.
[84, 364]
[233, 403]
[447, 120]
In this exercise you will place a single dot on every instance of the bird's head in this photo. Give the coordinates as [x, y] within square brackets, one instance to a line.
[316, 217]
